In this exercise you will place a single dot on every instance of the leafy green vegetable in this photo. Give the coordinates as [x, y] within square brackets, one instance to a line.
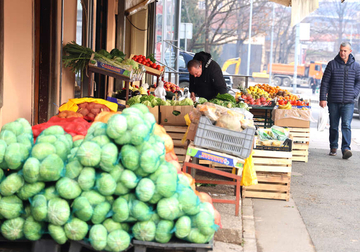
[163, 231]
[202, 100]
[98, 237]
[183, 227]
[118, 240]
[226, 97]
[82, 208]
[58, 211]
[186, 102]
[133, 100]
[57, 233]
[33, 229]
[13, 229]
[76, 229]
[144, 230]
[10, 207]
[11, 184]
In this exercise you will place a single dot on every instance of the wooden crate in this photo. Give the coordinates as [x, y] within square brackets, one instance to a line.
[177, 133]
[300, 135]
[272, 161]
[300, 152]
[273, 170]
[271, 185]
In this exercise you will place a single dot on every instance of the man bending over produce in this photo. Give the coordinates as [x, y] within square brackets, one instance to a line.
[206, 78]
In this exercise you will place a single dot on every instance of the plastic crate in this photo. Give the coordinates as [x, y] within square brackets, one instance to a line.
[224, 140]
[287, 146]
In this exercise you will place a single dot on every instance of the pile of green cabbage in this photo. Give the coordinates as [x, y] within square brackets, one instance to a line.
[152, 101]
[112, 185]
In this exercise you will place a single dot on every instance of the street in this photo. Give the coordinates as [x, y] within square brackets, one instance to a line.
[325, 191]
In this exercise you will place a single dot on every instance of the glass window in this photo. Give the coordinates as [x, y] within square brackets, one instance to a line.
[317, 67]
[182, 62]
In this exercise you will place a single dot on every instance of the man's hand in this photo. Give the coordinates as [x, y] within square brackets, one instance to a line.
[322, 104]
[192, 96]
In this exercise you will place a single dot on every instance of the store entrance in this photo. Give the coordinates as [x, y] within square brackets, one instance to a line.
[46, 91]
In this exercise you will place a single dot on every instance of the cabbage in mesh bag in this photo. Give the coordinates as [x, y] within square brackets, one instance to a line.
[205, 223]
[166, 184]
[15, 155]
[98, 237]
[68, 188]
[145, 189]
[76, 229]
[33, 229]
[41, 150]
[163, 231]
[39, 209]
[31, 170]
[140, 210]
[82, 208]
[183, 227]
[129, 179]
[51, 193]
[51, 168]
[168, 208]
[93, 197]
[73, 169]
[89, 154]
[13, 229]
[11, 184]
[58, 211]
[109, 155]
[120, 208]
[130, 157]
[106, 184]
[196, 236]
[144, 230]
[86, 180]
[116, 172]
[57, 233]
[10, 207]
[118, 240]
[149, 160]
[188, 200]
[111, 225]
[30, 190]
[100, 212]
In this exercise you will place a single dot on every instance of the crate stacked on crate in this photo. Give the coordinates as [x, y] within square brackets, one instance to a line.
[177, 133]
[262, 116]
[273, 171]
[301, 140]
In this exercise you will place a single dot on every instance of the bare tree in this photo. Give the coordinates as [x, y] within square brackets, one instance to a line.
[333, 20]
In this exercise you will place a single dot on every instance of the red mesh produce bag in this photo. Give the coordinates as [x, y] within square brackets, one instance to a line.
[73, 126]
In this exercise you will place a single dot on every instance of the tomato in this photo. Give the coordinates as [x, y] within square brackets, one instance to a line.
[158, 67]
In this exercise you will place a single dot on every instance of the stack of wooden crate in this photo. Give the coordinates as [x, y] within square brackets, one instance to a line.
[301, 140]
[273, 170]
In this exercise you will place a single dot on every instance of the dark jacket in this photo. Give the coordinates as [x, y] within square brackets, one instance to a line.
[340, 82]
[211, 82]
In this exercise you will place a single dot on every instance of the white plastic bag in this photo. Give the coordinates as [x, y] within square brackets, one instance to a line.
[323, 118]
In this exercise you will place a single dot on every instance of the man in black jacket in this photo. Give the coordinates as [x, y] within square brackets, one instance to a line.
[340, 86]
[206, 78]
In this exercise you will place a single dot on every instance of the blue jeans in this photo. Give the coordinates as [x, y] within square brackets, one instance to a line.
[345, 112]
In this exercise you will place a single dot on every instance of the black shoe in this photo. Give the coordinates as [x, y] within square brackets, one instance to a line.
[347, 154]
[333, 152]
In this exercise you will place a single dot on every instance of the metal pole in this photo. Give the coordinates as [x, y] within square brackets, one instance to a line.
[351, 34]
[177, 36]
[272, 43]
[249, 45]
[296, 57]
[185, 37]
[163, 30]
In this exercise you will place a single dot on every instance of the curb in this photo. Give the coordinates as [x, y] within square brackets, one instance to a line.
[249, 235]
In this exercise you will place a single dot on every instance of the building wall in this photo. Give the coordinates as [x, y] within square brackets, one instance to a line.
[18, 61]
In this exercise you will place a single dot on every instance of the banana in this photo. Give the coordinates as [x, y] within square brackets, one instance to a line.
[287, 106]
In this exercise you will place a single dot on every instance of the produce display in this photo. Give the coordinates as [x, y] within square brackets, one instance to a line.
[171, 87]
[231, 119]
[78, 57]
[91, 109]
[122, 178]
[225, 100]
[152, 101]
[147, 61]
[275, 136]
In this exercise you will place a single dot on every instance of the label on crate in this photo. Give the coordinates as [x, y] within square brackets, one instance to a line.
[228, 161]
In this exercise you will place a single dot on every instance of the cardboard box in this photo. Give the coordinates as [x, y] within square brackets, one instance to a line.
[167, 116]
[291, 118]
[192, 131]
[155, 112]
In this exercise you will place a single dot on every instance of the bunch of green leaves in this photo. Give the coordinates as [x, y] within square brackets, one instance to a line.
[152, 58]
[76, 56]
[133, 100]
[226, 97]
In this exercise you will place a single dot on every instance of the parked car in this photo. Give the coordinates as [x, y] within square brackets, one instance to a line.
[357, 105]
[184, 58]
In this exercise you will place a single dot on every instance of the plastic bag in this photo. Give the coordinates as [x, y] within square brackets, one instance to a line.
[323, 118]
[249, 174]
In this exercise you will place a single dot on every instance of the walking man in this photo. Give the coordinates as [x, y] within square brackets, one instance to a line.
[340, 85]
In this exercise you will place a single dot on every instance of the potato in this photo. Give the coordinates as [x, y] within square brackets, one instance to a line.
[90, 106]
[95, 111]
[83, 105]
[106, 109]
[84, 112]
[91, 115]
[98, 106]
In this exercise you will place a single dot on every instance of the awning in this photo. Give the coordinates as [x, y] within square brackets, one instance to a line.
[300, 8]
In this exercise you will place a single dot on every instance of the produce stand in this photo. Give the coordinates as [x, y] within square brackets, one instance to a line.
[221, 158]
[177, 134]
[175, 244]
